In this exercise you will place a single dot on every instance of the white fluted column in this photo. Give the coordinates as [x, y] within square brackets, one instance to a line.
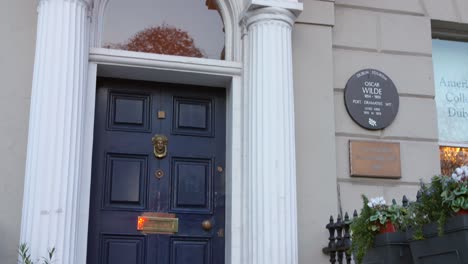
[53, 170]
[270, 216]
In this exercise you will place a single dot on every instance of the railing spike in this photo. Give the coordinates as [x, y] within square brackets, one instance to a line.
[405, 201]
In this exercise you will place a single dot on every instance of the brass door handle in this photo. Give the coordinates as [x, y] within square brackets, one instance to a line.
[207, 225]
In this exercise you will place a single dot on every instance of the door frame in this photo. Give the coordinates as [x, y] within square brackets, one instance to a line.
[173, 69]
[227, 74]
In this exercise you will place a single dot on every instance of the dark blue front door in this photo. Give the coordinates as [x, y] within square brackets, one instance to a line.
[128, 180]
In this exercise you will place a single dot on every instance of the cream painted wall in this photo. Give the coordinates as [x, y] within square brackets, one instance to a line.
[394, 37]
[17, 43]
[315, 127]
[399, 44]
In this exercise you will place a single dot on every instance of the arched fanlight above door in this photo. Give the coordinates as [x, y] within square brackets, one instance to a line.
[191, 28]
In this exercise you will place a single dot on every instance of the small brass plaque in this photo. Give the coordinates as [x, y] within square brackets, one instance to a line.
[161, 114]
[158, 223]
[375, 159]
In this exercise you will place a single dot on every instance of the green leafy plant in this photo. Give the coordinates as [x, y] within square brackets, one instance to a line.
[429, 208]
[25, 255]
[455, 190]
[374, 216]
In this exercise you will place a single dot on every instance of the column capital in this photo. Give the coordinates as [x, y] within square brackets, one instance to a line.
[291, 5]
[267, 14]
[261, 10]
[87, 3]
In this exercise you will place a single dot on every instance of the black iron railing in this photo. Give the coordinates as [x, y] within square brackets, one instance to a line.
[339, 245]
[340, 238]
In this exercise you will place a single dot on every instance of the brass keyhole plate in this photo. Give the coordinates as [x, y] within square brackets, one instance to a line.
[159, 174]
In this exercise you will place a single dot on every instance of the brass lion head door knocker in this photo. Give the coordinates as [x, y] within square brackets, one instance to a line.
[160, 146]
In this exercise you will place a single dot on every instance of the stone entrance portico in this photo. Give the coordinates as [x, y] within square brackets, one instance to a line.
[262, 196]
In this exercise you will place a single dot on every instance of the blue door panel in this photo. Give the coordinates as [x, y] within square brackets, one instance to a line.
[192, 185]
[123, 249]
[193, 116]
[190, 250]
[129, 112]
[124, 182]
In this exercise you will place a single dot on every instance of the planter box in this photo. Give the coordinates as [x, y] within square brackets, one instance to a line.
[389, 248]
[451, 248]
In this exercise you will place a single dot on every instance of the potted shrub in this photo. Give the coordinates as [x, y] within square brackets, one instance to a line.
[440, 229]
[455, 191]
[376, 233]
[428, 209]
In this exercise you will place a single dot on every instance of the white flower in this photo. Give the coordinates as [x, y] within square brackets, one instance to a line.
[455, 177]
[376, 201]
[460, 173]
[465, 170]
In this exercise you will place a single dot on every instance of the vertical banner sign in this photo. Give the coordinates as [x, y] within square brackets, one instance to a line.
[371, 99]
[450, 60]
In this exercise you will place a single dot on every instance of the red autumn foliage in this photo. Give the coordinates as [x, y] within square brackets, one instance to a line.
[161, 40]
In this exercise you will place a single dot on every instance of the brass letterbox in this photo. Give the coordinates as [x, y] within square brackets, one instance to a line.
[158, 223]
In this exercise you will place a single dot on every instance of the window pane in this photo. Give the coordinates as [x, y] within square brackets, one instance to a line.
[450, 60]
[452, 158]
[190, 28]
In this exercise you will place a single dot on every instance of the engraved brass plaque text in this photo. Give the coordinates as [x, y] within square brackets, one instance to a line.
[375, 159]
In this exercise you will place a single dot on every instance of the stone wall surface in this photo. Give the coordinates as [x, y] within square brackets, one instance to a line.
[17, 35]
[394, 37]
[315, 126]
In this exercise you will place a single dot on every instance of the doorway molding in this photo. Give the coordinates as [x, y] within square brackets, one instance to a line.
[172, 69]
